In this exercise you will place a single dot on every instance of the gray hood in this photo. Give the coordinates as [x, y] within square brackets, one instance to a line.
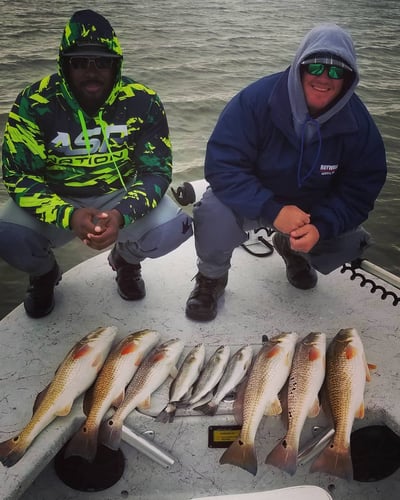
[323, 38]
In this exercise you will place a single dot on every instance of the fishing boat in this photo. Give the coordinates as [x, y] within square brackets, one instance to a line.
[180, 460]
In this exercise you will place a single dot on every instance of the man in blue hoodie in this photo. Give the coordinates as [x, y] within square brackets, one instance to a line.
[297, 151]
[87, 154]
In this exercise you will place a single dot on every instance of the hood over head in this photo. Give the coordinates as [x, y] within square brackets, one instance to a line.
[329, 44]
[88, 33]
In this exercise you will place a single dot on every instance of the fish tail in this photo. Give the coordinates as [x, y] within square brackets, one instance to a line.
[83, 444]
[12, 450]
[283, 456]
[167, 414]
[335, 461]
[208, 408]
[111, 433]
[241, 454]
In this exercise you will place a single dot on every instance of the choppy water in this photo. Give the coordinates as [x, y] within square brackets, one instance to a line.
[197, 55]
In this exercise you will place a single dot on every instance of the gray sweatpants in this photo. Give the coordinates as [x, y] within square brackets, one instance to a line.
[218, 231]
[26, 243]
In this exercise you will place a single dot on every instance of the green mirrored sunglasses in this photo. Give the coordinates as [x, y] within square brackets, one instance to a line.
[316, 69]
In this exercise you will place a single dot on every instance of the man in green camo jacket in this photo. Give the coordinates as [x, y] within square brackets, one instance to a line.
[87, 153]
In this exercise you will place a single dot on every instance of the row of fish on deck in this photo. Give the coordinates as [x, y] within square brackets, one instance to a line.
[122, 376]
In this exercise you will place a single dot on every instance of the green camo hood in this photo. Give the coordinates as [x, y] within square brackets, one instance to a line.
[84, 29]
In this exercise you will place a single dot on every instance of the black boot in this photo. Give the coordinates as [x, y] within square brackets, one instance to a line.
[129, 277]
[298, 270]
[202, 304]
[39, 299]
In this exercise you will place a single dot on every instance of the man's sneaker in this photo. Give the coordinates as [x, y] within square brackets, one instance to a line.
[39, 299]
[202, 304]
[129, 277]
[298, 270]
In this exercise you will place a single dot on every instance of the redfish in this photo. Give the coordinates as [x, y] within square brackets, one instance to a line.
[266, 378]
[109, 389]
[75, 374]
[346, 373]
[151, 374]
[305, 381]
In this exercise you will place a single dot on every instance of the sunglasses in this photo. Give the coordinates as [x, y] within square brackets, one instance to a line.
[77, 62]
[316, 69]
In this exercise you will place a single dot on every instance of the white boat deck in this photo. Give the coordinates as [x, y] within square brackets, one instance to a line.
[258, 301]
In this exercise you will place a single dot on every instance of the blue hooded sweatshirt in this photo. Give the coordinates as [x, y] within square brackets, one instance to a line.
[267, 152]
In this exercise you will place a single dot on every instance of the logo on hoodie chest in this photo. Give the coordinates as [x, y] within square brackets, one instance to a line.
[328, 169]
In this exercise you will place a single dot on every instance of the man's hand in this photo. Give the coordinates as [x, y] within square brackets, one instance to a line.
[304, 238]
[109, 223]
[290, 218]
[95, 228]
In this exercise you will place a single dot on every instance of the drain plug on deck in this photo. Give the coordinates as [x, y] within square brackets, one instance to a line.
[79, 474]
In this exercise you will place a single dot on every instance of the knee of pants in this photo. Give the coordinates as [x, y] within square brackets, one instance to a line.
[163, 239]
[25, 249]
[216, 227]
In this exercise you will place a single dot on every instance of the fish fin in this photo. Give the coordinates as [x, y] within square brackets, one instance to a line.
[336, 462]
[167, 414]
[360, 413]
[62, 412]
[12, 450]
[145, 405]
[208, 408]
[242, 455]
[173, 372]
[83, 443]
[284, 457]
[98, 361]
[110, 433]
[39, 398]
[274, 408]
[314, 410]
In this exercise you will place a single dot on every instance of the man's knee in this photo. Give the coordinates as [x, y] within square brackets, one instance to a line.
[165, 238]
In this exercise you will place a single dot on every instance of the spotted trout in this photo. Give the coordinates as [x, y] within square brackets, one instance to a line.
[151, 374]
[346, 373]
[266, 378]
[75, 374]
[109, 389]
[305, 381]
[234, 373]
[182, 384]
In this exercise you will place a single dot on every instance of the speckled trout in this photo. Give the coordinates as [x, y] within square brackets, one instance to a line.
[346, 373]
[266, 378]
[109, 389]
[234, 373]
[151, 374]
[305, 381]
[182, 385]
[211, 374]
[75, 374]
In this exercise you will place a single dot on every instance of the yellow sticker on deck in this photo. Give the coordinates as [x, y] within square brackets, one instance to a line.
[221, 436]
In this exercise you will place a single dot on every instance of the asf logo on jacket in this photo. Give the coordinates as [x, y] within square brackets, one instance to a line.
[94, 142]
